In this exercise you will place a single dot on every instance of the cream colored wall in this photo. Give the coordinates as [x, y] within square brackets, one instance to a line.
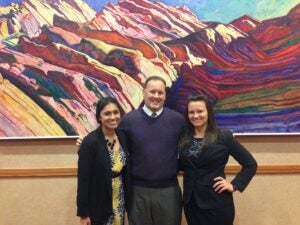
[269, 200]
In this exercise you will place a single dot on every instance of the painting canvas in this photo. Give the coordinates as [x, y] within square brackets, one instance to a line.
[59, 57]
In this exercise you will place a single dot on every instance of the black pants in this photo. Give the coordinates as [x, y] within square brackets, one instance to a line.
[96, 223]
[196, 216]
[93, 222]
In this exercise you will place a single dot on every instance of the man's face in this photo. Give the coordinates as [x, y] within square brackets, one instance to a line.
[155, 95]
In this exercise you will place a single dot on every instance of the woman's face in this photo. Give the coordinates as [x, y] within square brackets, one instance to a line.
[110, 116]
[197, 114]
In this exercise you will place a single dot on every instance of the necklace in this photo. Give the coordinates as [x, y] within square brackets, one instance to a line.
[111, 144]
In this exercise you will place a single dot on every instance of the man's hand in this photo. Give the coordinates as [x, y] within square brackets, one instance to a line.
[85, 221]
[79, 141]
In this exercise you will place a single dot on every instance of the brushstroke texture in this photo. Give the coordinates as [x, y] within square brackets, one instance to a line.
[57, 58]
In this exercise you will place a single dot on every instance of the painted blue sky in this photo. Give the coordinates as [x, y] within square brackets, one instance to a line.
[217, 10]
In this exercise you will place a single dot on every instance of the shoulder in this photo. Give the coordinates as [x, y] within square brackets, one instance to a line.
[131, 114]
[90, 142]
[129, 118]
[172, 112]
[92, 137]
[225, 135]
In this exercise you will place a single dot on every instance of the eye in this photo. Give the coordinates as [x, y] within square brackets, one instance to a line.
[116, 112]
[107, 113]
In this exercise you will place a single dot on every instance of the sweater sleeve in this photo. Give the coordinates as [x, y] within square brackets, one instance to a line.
[244, 158]
[85, 157]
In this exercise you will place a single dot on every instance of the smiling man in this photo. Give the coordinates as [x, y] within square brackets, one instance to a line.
[153, 132]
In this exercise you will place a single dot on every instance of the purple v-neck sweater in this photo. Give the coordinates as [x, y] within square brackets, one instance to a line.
[153, 147]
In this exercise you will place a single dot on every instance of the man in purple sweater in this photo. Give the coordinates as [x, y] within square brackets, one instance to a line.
[153, 132]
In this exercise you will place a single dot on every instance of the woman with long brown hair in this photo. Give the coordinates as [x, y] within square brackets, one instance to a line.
[204, 150]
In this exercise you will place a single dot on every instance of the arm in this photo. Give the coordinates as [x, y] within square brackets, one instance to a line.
[85, 157]
[245, 159]
[180, 165]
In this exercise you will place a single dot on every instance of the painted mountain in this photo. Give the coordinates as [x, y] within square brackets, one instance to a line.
[58, 57]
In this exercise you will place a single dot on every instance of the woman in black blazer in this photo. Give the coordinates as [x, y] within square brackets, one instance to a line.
[204, 150]
[102, 169]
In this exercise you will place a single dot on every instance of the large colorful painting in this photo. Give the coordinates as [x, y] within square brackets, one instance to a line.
[58, 57]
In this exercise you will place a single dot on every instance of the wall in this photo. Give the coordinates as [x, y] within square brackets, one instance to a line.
[33, 194]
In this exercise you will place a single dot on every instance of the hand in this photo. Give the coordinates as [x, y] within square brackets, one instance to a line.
[79, 141]
[222, 185]
[85, 221]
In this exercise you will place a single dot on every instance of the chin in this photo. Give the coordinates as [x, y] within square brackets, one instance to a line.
[156, 107]
[198, 124]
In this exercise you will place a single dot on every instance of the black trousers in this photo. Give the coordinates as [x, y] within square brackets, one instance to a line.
[93, 222]
[220, 216]
[96, 223]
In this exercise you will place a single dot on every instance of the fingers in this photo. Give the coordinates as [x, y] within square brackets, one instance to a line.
[85, 221]
[221, 185]
[79, 141]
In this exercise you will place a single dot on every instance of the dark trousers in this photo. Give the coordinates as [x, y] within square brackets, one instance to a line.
[96, 223]
[155, 206]
[196, 216]
[93, 222]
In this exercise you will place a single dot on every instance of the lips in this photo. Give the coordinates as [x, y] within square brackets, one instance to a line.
[197, 121]
[113, 123]
[155, 102]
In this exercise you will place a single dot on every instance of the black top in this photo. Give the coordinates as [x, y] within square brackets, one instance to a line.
[202, 165]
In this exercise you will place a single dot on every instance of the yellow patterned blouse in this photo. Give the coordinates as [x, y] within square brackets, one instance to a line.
[118, 159]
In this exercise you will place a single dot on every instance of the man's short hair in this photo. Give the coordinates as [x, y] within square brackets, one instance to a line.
[155, 78]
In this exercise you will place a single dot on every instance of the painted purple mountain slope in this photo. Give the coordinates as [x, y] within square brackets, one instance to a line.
[56, 64]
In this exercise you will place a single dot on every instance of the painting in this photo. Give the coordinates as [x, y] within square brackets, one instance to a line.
[59, 57]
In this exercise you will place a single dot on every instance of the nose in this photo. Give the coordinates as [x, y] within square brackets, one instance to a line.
[196, 115]
[112, 116]
[156, 95]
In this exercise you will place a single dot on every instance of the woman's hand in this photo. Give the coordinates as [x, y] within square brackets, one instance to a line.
[85, 221]
[222, 185]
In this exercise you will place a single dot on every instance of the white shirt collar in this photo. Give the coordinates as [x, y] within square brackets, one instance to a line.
[149, 112]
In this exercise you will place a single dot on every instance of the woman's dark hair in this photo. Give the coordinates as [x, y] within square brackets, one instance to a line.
[211, 132]
[104, 102]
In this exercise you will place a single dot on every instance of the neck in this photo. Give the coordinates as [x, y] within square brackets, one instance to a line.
[109, 133]
[199, 132]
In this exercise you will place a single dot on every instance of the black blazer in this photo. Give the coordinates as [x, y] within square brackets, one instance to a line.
[94, 188]
[198, 178]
